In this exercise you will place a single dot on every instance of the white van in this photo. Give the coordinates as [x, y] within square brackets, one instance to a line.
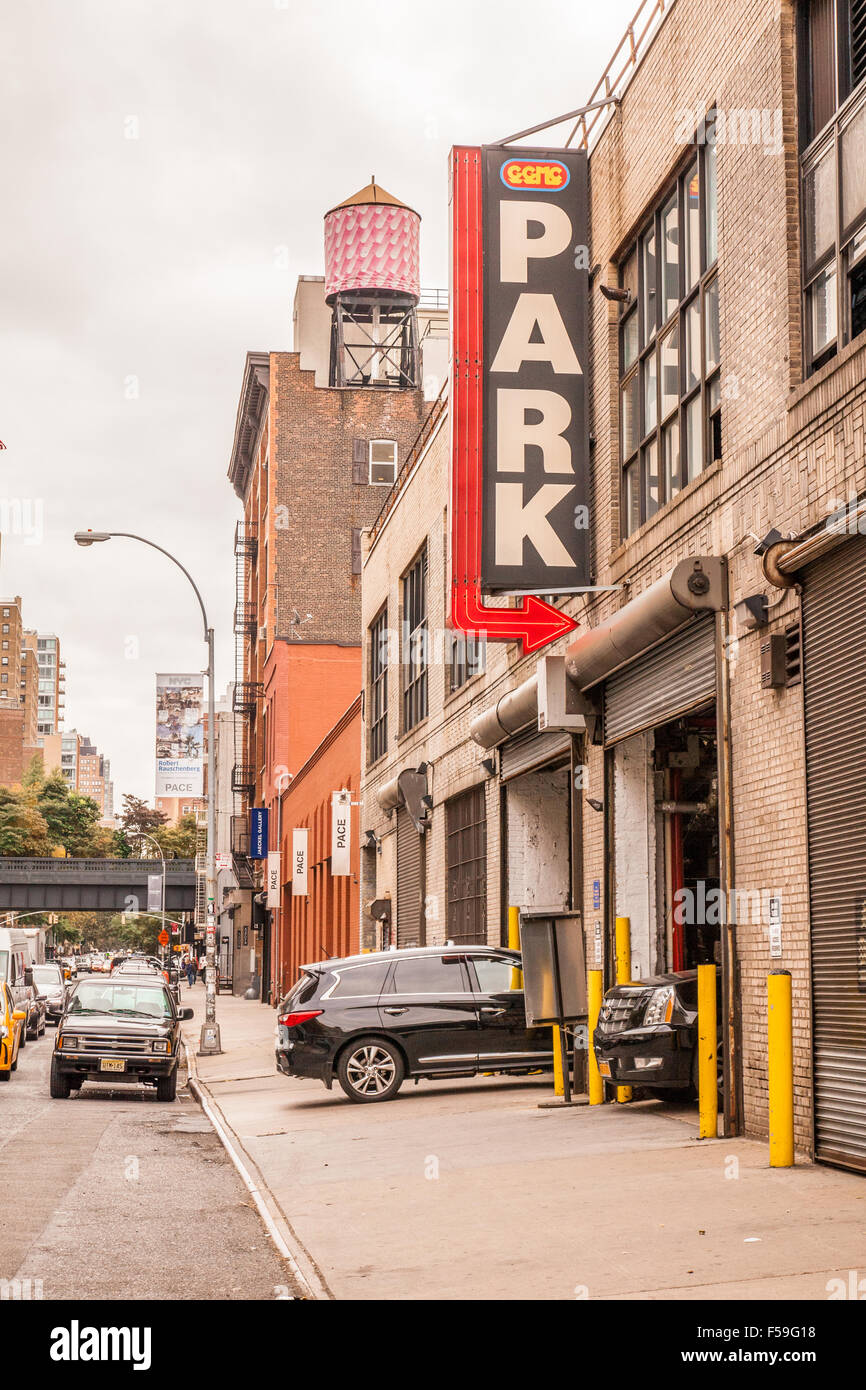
[15, 966]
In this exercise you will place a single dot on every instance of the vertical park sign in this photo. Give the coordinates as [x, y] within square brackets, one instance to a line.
[520, 438]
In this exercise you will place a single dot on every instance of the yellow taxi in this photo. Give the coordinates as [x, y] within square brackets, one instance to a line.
[12, 1024]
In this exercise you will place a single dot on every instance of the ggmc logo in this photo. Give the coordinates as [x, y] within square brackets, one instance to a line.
[533, 174]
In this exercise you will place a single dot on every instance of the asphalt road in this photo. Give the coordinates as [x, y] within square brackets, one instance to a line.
[112, 1195]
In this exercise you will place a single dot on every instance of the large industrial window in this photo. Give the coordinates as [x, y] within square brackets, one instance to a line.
[466, 833]
[670, 387]
[415, 643]
[833, 137]
[378, 688]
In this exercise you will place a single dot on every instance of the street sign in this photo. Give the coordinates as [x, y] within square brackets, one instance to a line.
[520, 442]
[163, 938]
[222, 861]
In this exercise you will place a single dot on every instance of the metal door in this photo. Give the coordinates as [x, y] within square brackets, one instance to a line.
[410, 882]
[834, 675]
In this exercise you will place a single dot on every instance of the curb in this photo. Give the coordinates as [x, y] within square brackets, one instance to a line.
[302, 1266]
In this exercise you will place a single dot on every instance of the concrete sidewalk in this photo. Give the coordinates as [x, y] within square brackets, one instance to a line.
[467, 1190]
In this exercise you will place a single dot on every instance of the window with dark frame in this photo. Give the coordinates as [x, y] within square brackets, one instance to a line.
[466, 837]
[378, 699]
[415, 643]
[468, 658]
[670, 375]
[833, 174]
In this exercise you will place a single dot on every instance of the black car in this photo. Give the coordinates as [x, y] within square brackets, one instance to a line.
[372, 1020]
[647, 1035]
[48, 979]
[118, 1029]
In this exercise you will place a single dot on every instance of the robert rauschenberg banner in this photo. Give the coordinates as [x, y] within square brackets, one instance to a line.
[179, 735]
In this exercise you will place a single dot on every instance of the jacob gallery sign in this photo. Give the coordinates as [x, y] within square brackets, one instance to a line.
[520, 442]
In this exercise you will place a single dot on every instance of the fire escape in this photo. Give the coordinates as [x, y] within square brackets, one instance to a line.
[244, 696]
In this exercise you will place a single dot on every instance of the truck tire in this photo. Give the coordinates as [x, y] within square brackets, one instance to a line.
[59, 1085]
[166, 1086]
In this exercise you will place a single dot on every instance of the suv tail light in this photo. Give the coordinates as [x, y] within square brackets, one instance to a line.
[293, 1020]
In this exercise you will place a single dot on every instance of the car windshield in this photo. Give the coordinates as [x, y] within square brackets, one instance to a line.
[47, 975]
[113, 997]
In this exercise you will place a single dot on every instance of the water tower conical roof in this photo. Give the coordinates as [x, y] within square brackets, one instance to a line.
[372, 194]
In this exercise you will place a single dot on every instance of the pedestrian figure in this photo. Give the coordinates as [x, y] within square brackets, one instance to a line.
[191, 971]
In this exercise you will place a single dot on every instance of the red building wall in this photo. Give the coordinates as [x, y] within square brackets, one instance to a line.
[327, 921]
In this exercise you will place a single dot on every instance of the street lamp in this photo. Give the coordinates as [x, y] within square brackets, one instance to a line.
[210, 1033]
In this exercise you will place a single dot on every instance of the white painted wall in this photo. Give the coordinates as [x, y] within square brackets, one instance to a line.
[635, 847]
[538, 851]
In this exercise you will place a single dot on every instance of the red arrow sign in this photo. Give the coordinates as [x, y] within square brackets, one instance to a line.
[533, 622]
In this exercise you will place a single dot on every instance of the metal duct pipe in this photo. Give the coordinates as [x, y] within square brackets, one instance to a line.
[783, 560]
[694, 585]
[511, 713]
[390, 796]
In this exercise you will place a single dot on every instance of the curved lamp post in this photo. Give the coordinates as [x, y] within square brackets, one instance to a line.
[210, 1033]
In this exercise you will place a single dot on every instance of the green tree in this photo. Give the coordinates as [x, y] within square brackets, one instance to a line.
[138, 816]
[178, 841]
[72, 819]
[23, 829]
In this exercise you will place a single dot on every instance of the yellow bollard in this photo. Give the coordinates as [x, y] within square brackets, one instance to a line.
[780, 1068]
[595, 991]
[623, 977]
[514, 944]
[558, 1083]
[708, 1090]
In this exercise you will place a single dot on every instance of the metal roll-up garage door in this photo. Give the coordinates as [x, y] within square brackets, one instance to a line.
[410, 887]
[677, 675]
[531, 750]
[834, 678]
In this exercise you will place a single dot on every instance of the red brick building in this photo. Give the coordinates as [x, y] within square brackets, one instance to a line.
[326, 921]
[312, 464]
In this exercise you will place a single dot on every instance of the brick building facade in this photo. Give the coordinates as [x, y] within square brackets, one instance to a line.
[727, 388]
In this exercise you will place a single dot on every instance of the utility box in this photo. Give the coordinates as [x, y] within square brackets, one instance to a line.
[560, 704]
[554, 966]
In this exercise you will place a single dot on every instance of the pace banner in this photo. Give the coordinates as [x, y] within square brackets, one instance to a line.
[273, 882]
[299, 862]
[154, 892]
[179, 735]
[341, 833]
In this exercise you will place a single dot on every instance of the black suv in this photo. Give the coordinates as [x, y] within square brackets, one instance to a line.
[126, 1028]
[647, 1034]
[372, 1020]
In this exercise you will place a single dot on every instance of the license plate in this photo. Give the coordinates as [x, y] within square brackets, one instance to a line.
[604, 1068]
[112, 1064]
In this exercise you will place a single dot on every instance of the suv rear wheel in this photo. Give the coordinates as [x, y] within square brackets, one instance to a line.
[371, 1069]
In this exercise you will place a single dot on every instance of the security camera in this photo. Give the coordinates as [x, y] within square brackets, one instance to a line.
[772, 538]
[619, 296]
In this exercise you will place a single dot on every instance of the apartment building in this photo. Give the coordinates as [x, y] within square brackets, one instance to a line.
[716, 679]
[19, 682]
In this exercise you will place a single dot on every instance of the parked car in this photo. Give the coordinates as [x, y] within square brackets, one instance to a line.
[370, 1021]
[126, 1028]
[48, 979]
[647, 1035]
[12, 1025]
[36, 1010]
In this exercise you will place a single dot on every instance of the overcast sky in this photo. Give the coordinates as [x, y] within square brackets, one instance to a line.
[167, 167]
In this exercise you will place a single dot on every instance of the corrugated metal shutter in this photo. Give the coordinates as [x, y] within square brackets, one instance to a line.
[676, 676]
[530, 750]
[834, 670]
[409, 887]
